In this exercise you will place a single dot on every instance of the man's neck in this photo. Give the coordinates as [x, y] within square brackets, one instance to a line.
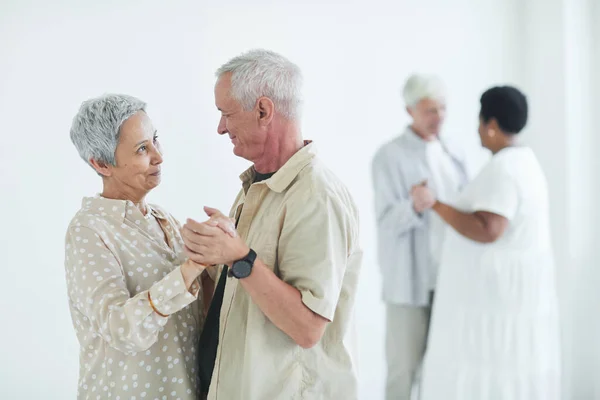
[279, 150]
[427, 137]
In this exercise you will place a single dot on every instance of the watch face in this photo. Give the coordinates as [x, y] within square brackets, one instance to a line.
[242, 269]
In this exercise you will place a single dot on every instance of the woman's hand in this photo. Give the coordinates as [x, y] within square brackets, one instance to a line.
[191, 270]
[422, 197]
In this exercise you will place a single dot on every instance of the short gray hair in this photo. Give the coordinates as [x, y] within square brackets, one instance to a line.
[259, 73]
[421, 86]
[96, 127]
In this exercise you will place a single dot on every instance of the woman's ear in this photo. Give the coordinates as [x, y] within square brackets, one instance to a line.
[101, 167]
[493, 128]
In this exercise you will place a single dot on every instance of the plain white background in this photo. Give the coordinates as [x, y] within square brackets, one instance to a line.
[354, 56]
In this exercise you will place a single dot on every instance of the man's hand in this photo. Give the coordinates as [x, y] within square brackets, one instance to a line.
[422, 197]
[217, 218]
[208, 243]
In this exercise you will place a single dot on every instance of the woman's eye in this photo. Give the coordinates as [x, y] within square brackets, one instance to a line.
[142, 149]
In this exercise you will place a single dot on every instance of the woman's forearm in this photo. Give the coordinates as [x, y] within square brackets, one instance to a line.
[470, 225]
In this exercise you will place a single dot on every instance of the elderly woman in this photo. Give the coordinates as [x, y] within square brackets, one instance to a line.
[133, 294]
[494, 332]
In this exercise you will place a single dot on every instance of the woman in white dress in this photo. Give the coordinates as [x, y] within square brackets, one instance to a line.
[494, 333]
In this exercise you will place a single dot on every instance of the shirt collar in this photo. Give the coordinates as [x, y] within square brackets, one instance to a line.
[286, 174]
[118, 209]
[413, 138]
[416, 141]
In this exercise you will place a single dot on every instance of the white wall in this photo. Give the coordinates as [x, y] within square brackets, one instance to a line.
[594, 275]
[557, 76]
[355, 56]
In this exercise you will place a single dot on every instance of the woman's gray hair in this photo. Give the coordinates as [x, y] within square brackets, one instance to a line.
[96, 127]
[420, 86]
[258, 73]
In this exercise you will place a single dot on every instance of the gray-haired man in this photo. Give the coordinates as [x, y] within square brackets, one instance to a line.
[285, 325]
[409, 237]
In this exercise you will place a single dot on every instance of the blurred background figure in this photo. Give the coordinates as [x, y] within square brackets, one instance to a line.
[409, 237]
[495, 333]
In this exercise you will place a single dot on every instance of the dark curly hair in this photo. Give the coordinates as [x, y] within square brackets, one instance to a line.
[507, 105]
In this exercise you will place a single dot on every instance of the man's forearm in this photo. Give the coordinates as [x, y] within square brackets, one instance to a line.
[282, 304]
[469, 225]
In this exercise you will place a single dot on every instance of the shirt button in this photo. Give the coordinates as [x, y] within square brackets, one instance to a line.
[161, 298]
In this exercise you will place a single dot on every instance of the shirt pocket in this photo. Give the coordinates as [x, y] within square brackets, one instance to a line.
[265, 245]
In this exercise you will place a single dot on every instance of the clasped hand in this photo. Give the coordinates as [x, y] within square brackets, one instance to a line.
[214, 241]
[422, 197]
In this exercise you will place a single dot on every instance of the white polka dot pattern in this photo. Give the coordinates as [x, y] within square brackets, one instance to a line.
[113, 258]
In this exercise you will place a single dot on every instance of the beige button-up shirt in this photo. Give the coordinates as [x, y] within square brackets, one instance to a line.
[303, 224]
[113, 259]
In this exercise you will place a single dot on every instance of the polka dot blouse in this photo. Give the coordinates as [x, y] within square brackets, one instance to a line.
[116, 259]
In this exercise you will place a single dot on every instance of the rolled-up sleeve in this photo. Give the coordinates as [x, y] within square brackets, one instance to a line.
[97, 289]
[313, 250]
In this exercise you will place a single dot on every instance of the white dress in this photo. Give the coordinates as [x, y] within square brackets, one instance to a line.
[494, 332]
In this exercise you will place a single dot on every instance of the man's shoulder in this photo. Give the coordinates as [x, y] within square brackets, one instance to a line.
[317, 175]
[317, 182]
[395, 148]
[317, 187]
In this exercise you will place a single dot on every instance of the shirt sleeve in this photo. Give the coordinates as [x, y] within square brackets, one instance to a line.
[496, 192]
[313, 251]
[97, 289]
[394, 208]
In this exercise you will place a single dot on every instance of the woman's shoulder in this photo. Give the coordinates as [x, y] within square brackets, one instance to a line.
[512, 160]
[91, 216]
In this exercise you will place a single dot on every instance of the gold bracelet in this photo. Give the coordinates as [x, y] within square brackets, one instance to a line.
[154, 308]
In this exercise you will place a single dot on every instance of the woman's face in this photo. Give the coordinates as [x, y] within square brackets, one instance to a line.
[138, 156]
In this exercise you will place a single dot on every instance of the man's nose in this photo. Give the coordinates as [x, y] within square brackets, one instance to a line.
[222, 128]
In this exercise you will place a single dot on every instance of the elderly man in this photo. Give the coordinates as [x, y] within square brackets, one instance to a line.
[287, 287]
[409, 236]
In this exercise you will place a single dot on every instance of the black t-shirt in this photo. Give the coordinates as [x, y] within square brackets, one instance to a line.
[209, 338]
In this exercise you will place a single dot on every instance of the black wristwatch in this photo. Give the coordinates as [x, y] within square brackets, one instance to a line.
[242, 268]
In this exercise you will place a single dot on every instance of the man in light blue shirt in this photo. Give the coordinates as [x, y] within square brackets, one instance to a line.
[410, 237]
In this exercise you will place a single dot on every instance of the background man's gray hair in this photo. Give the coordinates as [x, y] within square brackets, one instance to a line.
[260, 73]
[95, 128]
[421, 86]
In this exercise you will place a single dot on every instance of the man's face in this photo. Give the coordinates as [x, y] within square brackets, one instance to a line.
[428, 115]
[243, 128]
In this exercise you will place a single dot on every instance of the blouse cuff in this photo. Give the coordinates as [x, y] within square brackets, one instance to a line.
[170, 295]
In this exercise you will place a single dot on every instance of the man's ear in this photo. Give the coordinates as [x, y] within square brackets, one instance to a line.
[266, 110]
[101, 167]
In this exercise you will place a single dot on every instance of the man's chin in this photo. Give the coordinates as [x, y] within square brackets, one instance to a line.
[237, 151]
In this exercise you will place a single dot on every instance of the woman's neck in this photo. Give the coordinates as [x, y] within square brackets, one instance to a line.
[508, 141]
[139, 200]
